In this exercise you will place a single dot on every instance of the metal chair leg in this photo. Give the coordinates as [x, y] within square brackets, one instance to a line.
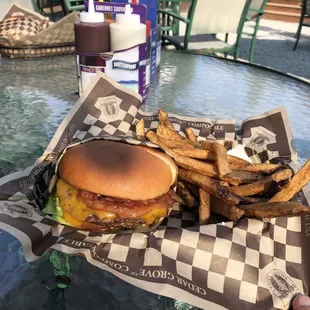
[226, 40]
[253, 41]
[52, 11]
[298, 32]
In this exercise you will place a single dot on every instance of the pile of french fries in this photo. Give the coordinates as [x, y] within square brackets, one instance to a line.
[212, 181]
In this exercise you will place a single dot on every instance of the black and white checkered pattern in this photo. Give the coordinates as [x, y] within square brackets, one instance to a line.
[15, 28]
[223, 263]
[222, 258]
[100, 125]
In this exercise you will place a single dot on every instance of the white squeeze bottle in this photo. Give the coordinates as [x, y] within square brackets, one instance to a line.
[127, 31]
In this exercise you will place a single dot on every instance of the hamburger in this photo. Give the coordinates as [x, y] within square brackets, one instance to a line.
[106, 185]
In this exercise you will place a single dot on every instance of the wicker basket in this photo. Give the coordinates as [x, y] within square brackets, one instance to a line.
[36, 51]
[56, 39]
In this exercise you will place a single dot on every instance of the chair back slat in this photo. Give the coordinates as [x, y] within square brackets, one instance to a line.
[307, 9]
[217, 16]
[256, 5]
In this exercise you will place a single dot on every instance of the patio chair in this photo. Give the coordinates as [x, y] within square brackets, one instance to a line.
[169, 24]
[51, 7]
[256, 11]
[206, 19]
[305, 13]
[35, 6]
[74, 5]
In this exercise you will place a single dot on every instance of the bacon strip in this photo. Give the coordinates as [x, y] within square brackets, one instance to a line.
[125, 208]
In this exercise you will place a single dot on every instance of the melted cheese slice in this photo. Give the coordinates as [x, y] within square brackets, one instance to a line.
[75, 211]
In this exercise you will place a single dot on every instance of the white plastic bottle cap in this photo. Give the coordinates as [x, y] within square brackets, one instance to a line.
[127, 18]
[91, 16]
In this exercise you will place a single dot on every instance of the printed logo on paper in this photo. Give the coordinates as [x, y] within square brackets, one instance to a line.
[261, 137]
[307, 225]
[281, 285]
[124, 65]
[107, 56]
[109, 106]
[17, 208]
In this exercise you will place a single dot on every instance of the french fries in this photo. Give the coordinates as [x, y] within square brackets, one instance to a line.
[299, 180]
[140, 130]
[242, 177]
[187, 163]
[204, 206]
[211, 181]
[262, 185]
[185, 195]
[177, 145]
[163, 118]
[260, 168]
[165, 132]
[193, 189]
[190, 134]
[231, 212]
[211, 186]
[221, 159]
[273, 209]
[179, 200]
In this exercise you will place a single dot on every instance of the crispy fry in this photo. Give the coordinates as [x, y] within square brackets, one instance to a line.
[167, 133]
[187, 163]
[299, 180]
[231, 212]
[230, 145]
[281, 175]
[237, 166]
[221, 159]
[178, 145]
[233, 159]
[189, 150]
[240, 177]
[274, 209]
[206, 145]
[164, 119]
[250, 200]
[185, 194]
[180, 200]
[260, 168]
[194, 165]
[261, 186]
[211, 186]
[140, 131]
[204, 206]
[193, 189]
[195, 153]
[224, 183]
[190, 134]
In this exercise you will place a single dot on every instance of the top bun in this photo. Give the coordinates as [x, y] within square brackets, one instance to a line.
[118, 170]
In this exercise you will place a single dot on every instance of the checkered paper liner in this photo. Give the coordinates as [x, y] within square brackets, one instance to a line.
[245, 265]
[23, 28]
[18, 22]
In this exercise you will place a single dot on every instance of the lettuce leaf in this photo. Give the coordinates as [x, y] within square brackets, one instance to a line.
[53, 208]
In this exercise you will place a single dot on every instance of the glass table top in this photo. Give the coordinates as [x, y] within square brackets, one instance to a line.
[35, 95]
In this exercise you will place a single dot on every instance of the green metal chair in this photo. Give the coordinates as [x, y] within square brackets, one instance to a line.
[206, 19]
[305, 13]
[35, 6]
[256, 11]
[74, 5]
[169, 24]
[51, 8]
